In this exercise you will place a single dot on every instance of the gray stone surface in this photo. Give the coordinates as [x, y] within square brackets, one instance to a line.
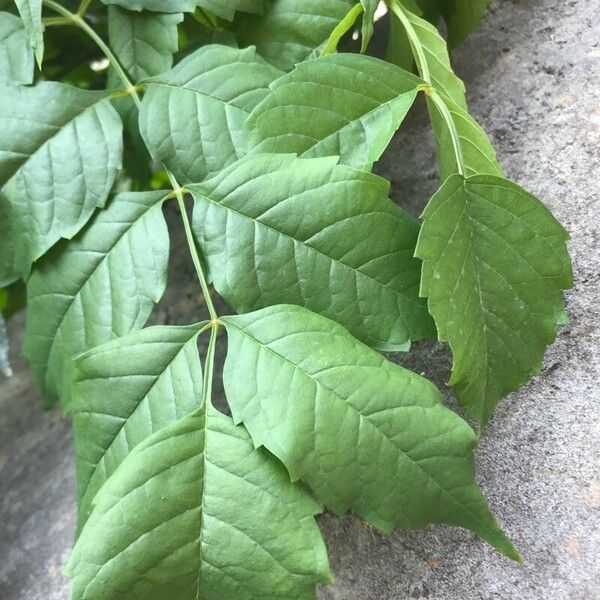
[532, 72]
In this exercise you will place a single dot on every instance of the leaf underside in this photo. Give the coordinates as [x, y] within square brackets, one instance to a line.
[314, 233]
[16, 54]
[494, 266]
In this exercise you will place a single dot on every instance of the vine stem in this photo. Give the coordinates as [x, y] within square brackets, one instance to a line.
[430, 90]
[341, 28]
[133, 92]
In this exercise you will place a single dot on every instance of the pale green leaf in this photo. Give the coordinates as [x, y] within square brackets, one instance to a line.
[99, 286]
[143, 42]
[16, 55]
[347, 105]
[196, 512]
[364, 433]
[478, 156]
[192, 117]
[31, 13]
[125, 390]
[221, 8]
[494, 265]
[60, 151]
[289, 30]
[431, 55]
[278, 229]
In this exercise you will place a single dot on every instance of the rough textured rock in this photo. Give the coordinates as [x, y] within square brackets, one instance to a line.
[532, 74]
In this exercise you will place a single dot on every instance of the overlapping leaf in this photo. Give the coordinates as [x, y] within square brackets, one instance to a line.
[192, 117]
[289, 30]
[222, 8]
[343, 104]
[143, 42]
[125, 390]
[196, 512]
[60, 151]
[279, 229]
[431, 55]
[478, 156]
[494, 265]
[363, 432]
[97, 287]
[31, 13]
[16, 54]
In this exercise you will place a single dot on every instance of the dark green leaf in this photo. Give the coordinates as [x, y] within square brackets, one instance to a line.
[363, 433]
[192, 117]
[279, 229]
[196, 512]
[494, 265]
[100, 286]
[343, 104]
[16, 55]
[289, 30]
[222, 8]
[124, 391]
[60, 151]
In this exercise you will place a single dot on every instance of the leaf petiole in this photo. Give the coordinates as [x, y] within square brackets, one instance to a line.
[341, 29]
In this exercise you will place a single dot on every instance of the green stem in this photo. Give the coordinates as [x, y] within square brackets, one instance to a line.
[429, 89]
[132, 91]
[209, 363]
[341, 29]
[192, 246]
[83, 7]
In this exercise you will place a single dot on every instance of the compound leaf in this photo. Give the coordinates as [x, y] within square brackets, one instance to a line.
[60, 152]
[346, 105]
[31, 14]
[289, 30]
[279, 229]
[494, 266]
[362, 432]
[143, 42]
[201, 514]
[97, 287]
[192, 117]
[431, 54]
[124, 391]
[16, 54]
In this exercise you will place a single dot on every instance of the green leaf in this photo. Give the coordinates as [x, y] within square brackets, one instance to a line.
[196, 512]
[289, 30]
[221, 8]
[494, 265]
[279, 229]
[342, 104]
[16, 55]
[369, 6]
[100, 286]
[364, 433]
[462, 17]
[431, 55]
[60, 151]
[123, 392]
[143, 42]
[31, 13]
[192, 117]
[478, 156]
